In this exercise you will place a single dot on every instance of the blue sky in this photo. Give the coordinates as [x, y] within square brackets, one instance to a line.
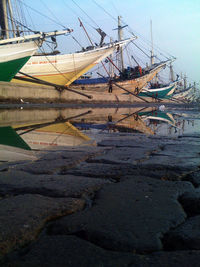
[176, 25]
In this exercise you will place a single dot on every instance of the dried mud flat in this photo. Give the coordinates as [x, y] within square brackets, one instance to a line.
[132, 200]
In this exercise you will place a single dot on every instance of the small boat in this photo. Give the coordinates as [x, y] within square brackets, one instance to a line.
[15, 51]
[159, 92]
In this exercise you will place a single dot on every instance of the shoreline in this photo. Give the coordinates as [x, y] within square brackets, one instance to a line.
[104, 104]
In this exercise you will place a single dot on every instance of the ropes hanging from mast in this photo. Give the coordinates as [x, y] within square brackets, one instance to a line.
[43, 15]
[131, 31]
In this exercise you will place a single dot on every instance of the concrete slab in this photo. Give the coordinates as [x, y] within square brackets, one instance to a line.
[129, 216]
[23, 217]
[18, 182]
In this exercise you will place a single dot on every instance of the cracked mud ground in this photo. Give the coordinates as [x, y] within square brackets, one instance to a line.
[131, 201]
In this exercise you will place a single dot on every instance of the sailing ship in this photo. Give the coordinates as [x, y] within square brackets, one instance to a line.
[157, 91]
[133, 79]
[64, 69]
[15, 50]
[184, 92]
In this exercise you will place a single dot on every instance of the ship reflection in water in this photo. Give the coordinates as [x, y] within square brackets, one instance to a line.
[25, 131]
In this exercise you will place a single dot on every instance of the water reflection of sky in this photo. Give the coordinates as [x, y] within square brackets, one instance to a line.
[73, 127]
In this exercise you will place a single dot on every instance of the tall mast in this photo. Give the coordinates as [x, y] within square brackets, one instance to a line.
[185, 81]
[111, 70]
[171, 72]
[194, 86]
[11, 16]
[5, 31]
[5, 15]
[152, 52]
[120, 37]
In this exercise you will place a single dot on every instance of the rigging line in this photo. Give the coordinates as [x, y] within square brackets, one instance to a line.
[16, 14]
[22, 25]
[88, 17]
[85, 13]
[156, 49]
[23, 15]
[73, 11]
[147, 41]
[130, 28]
[58, 135]
[52, 14]
[104, 10]
[127, 53]
[47, 44]
[40, 48]
[117, 11]
[140, 49]
[114, 59]
[77, 41]
[100, 66]
[143, 47]
[80, 18]
[42, 14]
[30, 18]
[77, 14]
[144, 39]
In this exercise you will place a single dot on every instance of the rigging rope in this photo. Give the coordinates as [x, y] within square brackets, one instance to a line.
[62, 74]
[85, 13]
[42, 14]
[130, 30]
[52, 14]
[140, 49]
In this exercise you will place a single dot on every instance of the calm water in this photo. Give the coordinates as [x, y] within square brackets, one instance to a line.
[50, 128]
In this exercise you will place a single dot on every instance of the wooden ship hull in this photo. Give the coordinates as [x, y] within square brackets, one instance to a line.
[64, 69]
[163, 92]
[134, 85]
[16, 50]
[13, 57]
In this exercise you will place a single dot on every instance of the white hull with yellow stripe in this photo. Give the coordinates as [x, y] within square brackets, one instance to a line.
[64, 69]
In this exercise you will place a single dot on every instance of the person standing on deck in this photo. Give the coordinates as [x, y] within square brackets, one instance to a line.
[110, 86]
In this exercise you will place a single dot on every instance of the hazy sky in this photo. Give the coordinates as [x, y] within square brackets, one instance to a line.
[176, 25]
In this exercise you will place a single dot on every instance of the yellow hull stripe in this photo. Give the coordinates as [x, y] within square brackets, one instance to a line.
[60, 78]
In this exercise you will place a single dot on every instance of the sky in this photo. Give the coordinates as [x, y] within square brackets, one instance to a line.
[175, 26]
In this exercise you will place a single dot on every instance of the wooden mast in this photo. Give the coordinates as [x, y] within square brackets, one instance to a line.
[5, 19]
[152, 52]
[111, 70]
[6, 14]
[11, 16]
[120, 37]
[171, 72]
[81, 25]
[185, 81]
[155, 79]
